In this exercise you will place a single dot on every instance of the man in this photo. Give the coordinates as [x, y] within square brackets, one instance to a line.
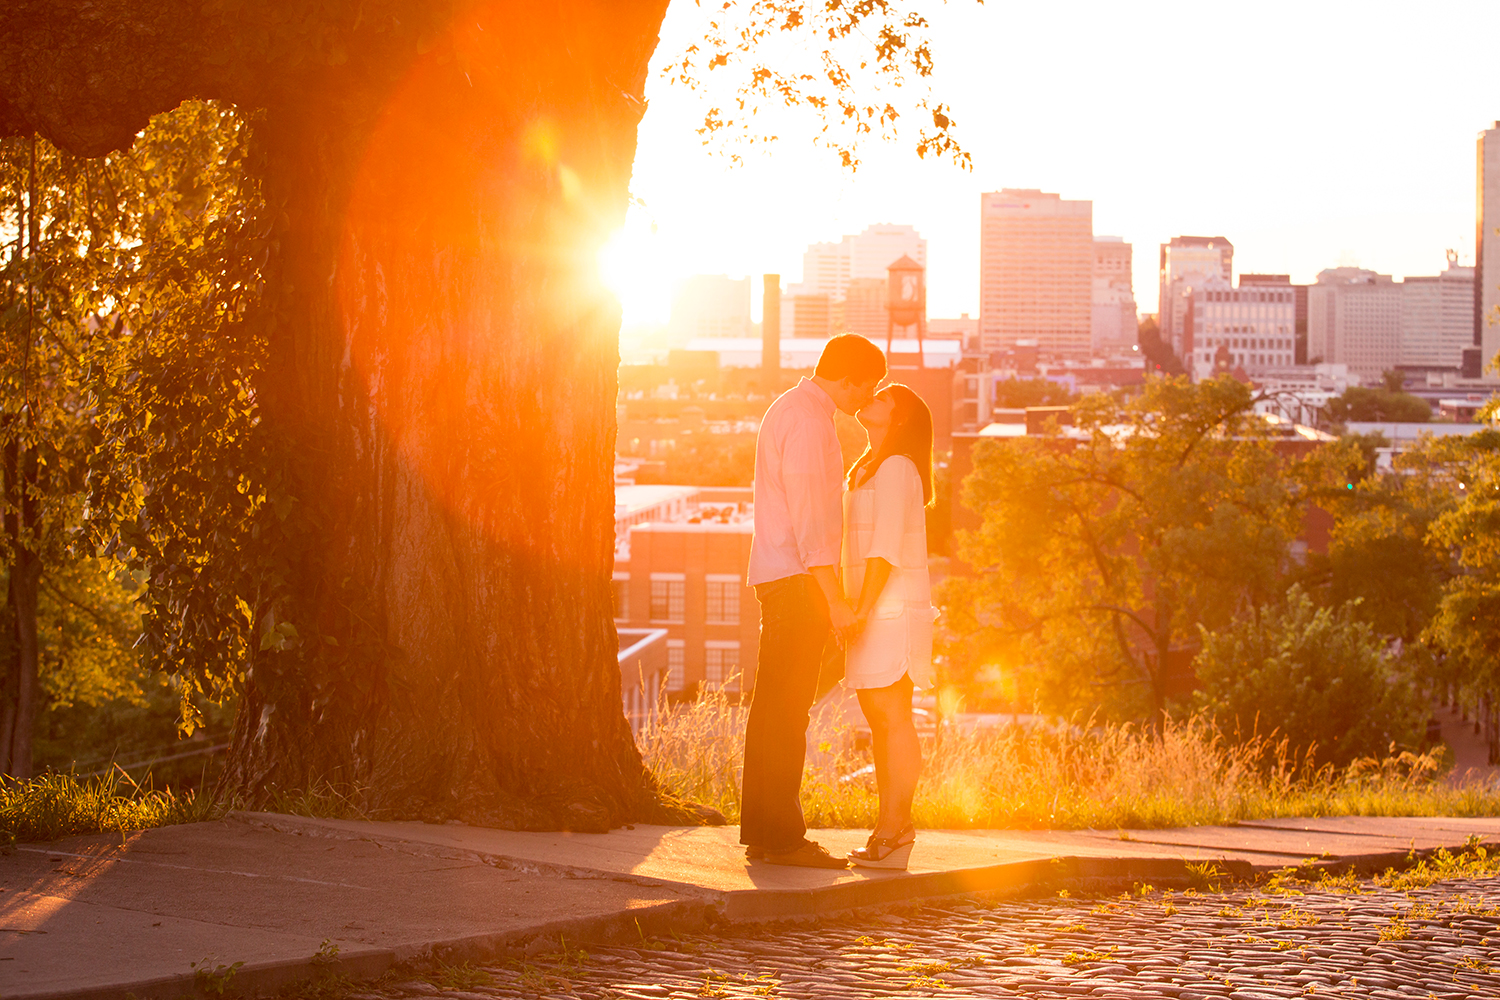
[799, 515]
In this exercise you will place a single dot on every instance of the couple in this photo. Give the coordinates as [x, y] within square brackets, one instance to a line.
[808, 526]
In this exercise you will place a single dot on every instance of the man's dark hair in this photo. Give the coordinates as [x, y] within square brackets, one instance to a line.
[850, 356]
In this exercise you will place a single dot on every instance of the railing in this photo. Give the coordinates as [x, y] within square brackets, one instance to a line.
[643, 673]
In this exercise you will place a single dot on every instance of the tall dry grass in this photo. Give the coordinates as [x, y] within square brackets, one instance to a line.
[1069, 777]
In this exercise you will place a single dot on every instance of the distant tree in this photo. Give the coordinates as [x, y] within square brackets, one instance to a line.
[1101, 553]
[1466, 625]
[1017, 393]
[1160, 357]
[706, 460]
[1317, 676]
[1489, 413]
[1381, 561]
[1369, 446]
[1358, 403]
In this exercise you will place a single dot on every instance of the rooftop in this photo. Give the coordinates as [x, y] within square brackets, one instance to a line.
[691, 509]
[739, 526]
[630, 500]
[1398, 432]
[1283, 428]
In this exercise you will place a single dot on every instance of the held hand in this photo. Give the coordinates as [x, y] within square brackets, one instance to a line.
[845, 624]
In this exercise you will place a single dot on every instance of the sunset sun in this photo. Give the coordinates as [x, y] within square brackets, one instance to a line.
[634, 267]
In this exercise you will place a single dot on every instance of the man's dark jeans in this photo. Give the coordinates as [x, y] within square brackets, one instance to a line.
[794, 628]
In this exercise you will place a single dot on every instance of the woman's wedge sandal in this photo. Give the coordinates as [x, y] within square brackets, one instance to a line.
[886, 852]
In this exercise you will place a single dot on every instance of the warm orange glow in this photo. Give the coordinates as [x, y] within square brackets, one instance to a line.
[950, 700]
[472, 317]
[540, 141]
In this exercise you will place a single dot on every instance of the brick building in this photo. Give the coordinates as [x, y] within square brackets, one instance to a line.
[680, 559]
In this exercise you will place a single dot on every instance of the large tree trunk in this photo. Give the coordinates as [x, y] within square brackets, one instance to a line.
[443, 363]
[442, 379]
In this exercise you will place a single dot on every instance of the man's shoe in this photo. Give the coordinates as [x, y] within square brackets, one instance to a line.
[754, 853]
[807, 855]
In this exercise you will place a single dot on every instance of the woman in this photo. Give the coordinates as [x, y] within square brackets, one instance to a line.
[885, 578]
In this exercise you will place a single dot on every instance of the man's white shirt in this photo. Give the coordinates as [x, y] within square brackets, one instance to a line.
[799, 485]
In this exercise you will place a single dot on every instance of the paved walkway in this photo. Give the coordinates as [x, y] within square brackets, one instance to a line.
[288, 897]
[1471, 753]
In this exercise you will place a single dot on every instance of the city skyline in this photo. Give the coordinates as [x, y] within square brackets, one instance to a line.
[1306, 154]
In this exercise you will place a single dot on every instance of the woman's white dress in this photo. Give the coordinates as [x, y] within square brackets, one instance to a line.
[885, 517]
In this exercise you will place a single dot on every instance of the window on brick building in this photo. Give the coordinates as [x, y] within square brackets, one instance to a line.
[721, 666]
[676, 672]
[723, 600]
[621, 594]
[667, 602]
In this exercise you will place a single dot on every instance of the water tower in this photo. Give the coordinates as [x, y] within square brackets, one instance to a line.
[906, 302]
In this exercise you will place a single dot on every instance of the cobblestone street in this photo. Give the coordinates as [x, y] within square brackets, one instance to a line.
[1340, 938]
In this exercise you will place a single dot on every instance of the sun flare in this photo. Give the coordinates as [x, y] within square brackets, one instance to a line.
[633, 265]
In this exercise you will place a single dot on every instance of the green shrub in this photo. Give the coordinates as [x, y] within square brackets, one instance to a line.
[63, 805]
[1319, 677]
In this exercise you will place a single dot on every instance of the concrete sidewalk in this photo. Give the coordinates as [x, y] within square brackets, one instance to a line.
[290, 897]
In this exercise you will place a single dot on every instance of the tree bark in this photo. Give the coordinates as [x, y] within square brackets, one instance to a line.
[442, 379]
[19, 687]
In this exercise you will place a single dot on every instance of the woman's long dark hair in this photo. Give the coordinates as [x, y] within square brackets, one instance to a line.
[909, 434]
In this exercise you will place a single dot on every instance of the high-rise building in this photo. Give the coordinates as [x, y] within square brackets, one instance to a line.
[806, 315]
[880, 246]
[1112, 324]
[1251, 328]
[770, 331]
[827, 268]
[1036, 270]
[864, 309]
[964, 328]
[1354, 319]
[1300, 294]
[1373, 324]
[1486, 334]
[1188, 263]
[1437, 317]
[710, 305]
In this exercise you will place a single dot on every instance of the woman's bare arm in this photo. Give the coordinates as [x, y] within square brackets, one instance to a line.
[877, 572]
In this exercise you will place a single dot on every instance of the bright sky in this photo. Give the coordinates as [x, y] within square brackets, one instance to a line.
[1312, 134]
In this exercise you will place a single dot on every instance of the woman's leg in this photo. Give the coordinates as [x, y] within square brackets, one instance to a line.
[879, 749]
[898, 759]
